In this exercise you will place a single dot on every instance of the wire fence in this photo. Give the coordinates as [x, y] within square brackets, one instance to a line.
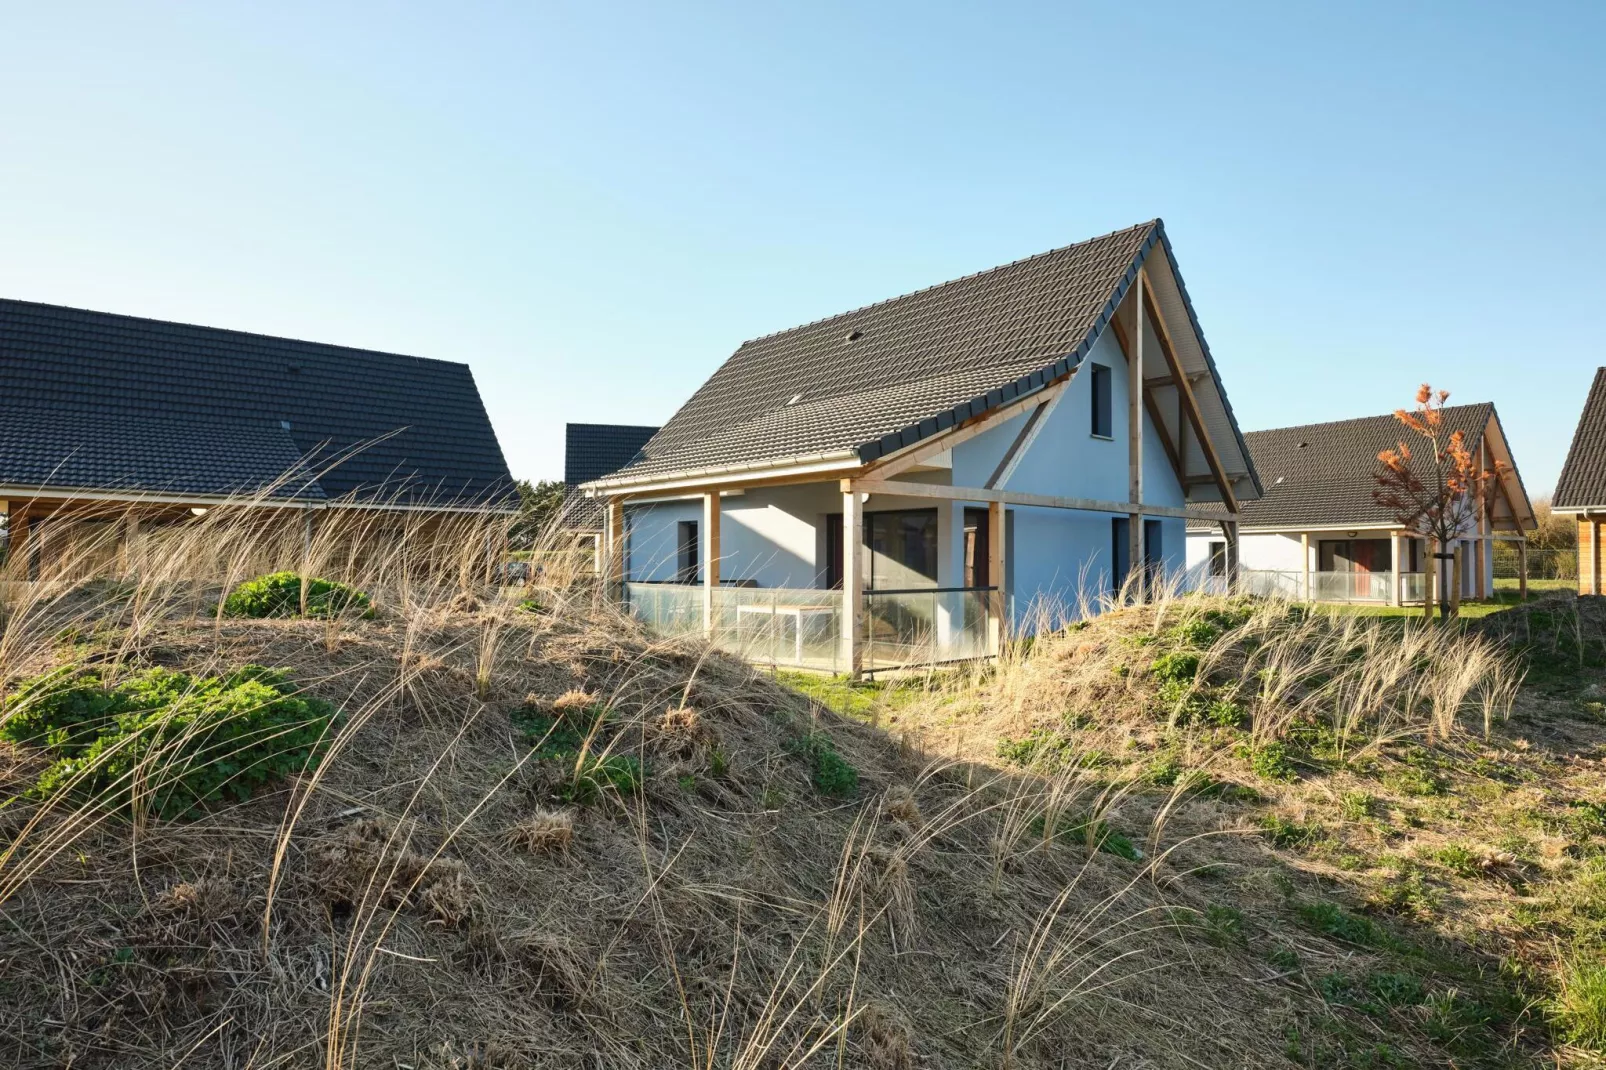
[1542, 564]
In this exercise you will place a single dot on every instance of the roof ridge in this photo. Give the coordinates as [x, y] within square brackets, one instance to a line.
[1358, 419]
[228, 331]
[950, 282]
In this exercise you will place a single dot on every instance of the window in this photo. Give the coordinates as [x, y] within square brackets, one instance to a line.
[1218, 559]
[1120, 551]
[1103, 413]
[903, 549]
[688, 554]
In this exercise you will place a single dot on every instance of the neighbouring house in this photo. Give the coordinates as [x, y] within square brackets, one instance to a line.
[119, 419]
[1581, 490]
[1317, 534]
[592, 451]
[907, 481]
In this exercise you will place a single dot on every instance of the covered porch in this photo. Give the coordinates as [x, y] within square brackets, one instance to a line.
[1386, 567]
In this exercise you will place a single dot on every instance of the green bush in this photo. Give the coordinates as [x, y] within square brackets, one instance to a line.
[831, 773]
[1271, 762]
[278, 594]
[187, 739]
[1177, 667]
[616, 772]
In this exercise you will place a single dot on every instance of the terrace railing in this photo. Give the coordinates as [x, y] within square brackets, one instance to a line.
[802, 627]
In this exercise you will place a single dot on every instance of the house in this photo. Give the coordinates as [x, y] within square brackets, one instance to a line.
[591, 451]
[1316, 534]
[1581, 490]
[149, 422]
[907, 481]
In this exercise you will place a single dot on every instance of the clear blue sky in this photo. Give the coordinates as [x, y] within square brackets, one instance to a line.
[593, 204]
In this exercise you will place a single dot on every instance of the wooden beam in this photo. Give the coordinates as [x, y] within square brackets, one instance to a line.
[852, 580]
[1151, 406]
[1190, 402]
[710, 554]
[1171, 380]
[943, 441]
[614, 552]
[1522, 571]
[1394, 567]
[1023, 441]
[1134, 439]
[1304, 557]
[1012, 497]
[996, 566]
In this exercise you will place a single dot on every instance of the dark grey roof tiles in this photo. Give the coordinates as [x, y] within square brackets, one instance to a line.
[1324, 474]
[884, 376]
[1583, 478]
[591, 451]
[95, 400]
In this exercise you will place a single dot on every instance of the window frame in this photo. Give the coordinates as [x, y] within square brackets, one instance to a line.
[1102, 392]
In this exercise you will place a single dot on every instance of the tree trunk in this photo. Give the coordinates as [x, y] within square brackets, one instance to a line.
[1430, 580]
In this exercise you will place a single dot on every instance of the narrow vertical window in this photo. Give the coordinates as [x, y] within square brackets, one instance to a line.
[688, 553]
[1218, 559]
[1103, 425]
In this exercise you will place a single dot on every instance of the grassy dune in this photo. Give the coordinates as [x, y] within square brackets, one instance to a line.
[460, 826]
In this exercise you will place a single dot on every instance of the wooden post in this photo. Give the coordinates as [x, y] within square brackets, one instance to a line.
[710, 561]
[852, 580]
[614, 552]
[1229, 531]
[1134, 442]
[1304, 558]
[1394, 563]
[1457, 574]
[1595, 556]
[1522, 570]
[127, 558]
[1430, 579]
[995, 577]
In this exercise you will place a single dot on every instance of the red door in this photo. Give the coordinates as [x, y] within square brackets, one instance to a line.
[1361, 551]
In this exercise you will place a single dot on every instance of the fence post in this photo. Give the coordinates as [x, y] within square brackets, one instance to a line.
[1522, 570]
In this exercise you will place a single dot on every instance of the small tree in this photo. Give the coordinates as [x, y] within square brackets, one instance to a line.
[1442, 493]
[540, 504]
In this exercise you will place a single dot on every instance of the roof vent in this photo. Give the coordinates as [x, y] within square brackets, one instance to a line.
[795, 399]
[284, 425]
[853, 336]
[1303, 445]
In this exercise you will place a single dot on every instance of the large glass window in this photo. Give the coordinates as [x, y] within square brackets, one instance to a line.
[903, 549]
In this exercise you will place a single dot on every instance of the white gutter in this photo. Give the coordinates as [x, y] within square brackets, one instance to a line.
[800, 465]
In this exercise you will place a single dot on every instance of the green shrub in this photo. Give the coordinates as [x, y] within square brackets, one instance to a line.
[1179, 666]
[1271, 762]
[187, 740]
[1356, 805]
[1093, 833]
[595, 774]
[530, 605]
[1223, 712]
[830, 772]
[1196, 633]
[1458, 860]
[278, 594]
[1333, 920]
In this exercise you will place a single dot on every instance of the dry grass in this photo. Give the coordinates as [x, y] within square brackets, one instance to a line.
[446, 889]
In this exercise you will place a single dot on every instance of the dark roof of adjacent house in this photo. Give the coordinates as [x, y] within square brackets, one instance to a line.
[1583, 478]
[98, 401]
[882, 377]
[1323, 474]
[591, 451]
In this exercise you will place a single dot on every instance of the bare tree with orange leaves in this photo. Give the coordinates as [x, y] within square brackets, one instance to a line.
[1440, 493]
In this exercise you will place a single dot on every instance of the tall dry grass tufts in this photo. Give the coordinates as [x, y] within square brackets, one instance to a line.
[535, 834]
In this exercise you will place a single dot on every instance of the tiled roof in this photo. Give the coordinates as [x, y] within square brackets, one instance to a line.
[1583, 478]
[93, 400]
[591, 451]
[882, 377]
[1323, 474]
